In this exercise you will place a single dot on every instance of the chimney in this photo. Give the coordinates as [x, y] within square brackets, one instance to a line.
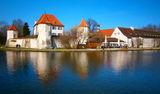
[35, 22]
[98, 28]
[132, 27]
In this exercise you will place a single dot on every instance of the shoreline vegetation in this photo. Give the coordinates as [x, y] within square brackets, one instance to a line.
[76, 50]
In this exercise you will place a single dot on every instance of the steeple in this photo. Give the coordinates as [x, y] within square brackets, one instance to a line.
[12, 28]
[83, 23]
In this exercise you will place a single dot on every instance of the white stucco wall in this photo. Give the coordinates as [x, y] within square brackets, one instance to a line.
[11, 34]
[34, 43]
[148, 42]
[44, 36]
[24, 43]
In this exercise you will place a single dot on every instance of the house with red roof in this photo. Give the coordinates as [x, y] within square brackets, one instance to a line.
[137, 37]
[108, 41]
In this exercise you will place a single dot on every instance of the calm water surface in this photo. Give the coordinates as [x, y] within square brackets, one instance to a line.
[132, 72]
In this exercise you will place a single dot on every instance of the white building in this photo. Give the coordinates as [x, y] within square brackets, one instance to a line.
[137, 37]
[48, 28]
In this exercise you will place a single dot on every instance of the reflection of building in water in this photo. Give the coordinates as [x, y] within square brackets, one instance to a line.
[120, 60]
[126, 60]
[81, 61]
[16, 61]
[46, 65]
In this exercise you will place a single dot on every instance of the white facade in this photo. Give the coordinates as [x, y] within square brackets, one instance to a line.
[11, 34]
[55, 30]
[119, 35]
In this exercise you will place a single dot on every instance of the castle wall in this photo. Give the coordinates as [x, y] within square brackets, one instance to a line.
[24, 43]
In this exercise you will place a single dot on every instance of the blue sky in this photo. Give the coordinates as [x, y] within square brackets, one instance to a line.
[108, 13]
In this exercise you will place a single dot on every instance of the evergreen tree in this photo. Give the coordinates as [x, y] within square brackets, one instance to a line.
[26, 29]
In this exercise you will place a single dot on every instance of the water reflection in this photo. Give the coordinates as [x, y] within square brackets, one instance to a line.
[16, 61]
[49, 65]
[46, 65]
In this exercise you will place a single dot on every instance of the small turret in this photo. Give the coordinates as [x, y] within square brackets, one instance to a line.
[12, 32]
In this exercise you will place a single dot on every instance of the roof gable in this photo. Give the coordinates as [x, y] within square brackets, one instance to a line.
[12, 27]
[83, 23]
[49, 19]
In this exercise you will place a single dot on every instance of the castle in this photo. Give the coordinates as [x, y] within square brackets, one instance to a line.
[47, 29]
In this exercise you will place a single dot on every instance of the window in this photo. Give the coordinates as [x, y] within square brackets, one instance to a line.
[59, 34]
[54, 34]
[15, 36]
[59, 28]
[54, 27]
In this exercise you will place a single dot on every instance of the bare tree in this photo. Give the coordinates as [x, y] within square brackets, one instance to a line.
[3, 32]
[69, 38]
[19, 26]
[152, 27]
[99, 37]
[92, 25]
[72, 38]
[156, 42]
[139, 42]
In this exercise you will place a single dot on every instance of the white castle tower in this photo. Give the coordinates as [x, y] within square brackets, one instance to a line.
[47, 27]
[83, 29]
[12, 32]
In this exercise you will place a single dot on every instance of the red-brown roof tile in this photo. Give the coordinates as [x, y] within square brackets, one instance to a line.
[12, 28]
[139, 33]
[49, 19]
[107, 32]
[83, 23]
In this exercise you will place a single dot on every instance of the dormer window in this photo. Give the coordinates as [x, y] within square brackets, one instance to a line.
[54, 22]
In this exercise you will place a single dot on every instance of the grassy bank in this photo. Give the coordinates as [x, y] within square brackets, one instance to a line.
[75, 50]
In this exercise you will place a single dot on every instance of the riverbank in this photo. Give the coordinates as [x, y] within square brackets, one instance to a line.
[76, 50]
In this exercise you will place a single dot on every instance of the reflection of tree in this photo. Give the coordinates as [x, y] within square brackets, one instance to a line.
[83, 63]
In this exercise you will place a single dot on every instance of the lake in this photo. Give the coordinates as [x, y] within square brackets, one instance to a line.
[119, 72]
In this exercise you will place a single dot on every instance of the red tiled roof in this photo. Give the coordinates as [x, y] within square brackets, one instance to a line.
[49, 19]
[107, 32]
[128, 32]
[12, 28]
[83, 23]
